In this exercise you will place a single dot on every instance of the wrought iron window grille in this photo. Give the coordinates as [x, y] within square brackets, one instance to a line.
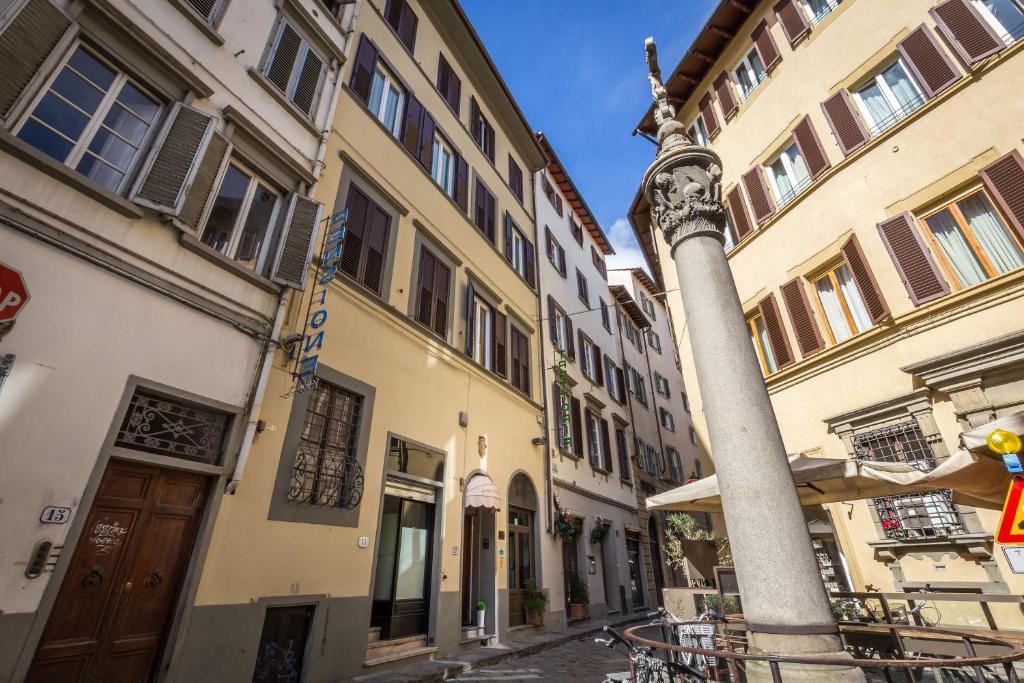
[167, 426]
[919, 515]
[897, 115]
[326, 471]
[792, 193]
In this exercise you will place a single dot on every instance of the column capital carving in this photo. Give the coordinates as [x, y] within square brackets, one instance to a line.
[684, 188]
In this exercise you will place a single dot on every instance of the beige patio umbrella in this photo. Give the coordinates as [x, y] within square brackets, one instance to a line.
[976, 480]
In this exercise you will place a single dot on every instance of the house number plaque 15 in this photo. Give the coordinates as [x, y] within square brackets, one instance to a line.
[55, 515]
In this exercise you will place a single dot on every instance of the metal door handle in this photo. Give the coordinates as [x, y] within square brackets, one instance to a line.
[126, 587]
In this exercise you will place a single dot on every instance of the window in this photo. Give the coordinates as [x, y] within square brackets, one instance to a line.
[639, 388]
[561, 327]
[403, 20]
[485, 215]
[598, 262]
[818, 9]
[515, 178]
[606, 319]
[611, 373]
[730, 234]
[518, 250]
[286, 629]
[648, 307]
[763, 347]
[597, 441]
[888, 97]
[433, 288]
[93, 118]
[326, 470]
[667, 421]
[675, 464]
[698, 132]
[661, 385]
[749, 73]
[653, 340]
[1005, 16]
[241, 216]
[971, 241]
[577, 231]
[686, 402]
[693, 436]
[365, 250]
[623, 454]
[581, 288]
[387, 99]
[653, 460]
[481, 129]
[841, 303]
[588, 362]
[295, 69]
[519, 352]
[448, 84]
[443, 165]
[788, 174]
[482, 331]
[555, 252]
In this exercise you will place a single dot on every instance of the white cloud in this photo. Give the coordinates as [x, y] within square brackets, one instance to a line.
[627, 251]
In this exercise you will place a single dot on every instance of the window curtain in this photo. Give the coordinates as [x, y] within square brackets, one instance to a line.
[854, 302]
[954, 245]
[992, 235]
[833, 310]
[781, 178]
[800, 173]
[876, 104]
[899, 82]
[766, 346]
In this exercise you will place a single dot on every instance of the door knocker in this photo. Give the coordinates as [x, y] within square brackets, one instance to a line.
[94, 577]
[154, 579]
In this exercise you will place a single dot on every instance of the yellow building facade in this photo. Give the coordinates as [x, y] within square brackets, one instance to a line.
[873, 182]
[398, 484]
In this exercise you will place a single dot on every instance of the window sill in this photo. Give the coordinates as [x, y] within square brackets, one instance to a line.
[199, 23]
[215, 257]
[33, 157]
[289, 107]
[980, 541]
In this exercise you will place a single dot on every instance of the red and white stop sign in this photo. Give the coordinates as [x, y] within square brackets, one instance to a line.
[13, 293]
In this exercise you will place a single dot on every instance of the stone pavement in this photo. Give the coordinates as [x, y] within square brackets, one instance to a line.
[578, 640]
[577, 661]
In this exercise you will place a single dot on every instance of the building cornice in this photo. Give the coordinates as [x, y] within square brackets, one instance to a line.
[969, 362]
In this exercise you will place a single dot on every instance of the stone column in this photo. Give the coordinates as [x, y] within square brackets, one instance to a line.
[784, 598]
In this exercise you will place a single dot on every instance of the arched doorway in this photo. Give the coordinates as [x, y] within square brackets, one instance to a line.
[659, 576]
[522, 544]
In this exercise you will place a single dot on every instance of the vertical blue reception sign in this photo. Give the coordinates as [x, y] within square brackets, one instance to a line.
[316, 312]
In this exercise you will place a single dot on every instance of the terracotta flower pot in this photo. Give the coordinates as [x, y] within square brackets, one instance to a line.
[535, 618]
[577, 610]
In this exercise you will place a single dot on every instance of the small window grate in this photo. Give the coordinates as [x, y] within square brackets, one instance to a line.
[166, 426]
[919, 515]
[203, 8]
[901, 442]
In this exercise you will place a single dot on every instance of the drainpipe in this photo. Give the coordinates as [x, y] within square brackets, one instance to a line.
[257, 397]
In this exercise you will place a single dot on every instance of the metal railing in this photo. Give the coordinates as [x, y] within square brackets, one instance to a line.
[792, 193]
[897, 115]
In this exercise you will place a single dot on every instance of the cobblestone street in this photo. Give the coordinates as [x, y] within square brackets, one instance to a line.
[580, 661]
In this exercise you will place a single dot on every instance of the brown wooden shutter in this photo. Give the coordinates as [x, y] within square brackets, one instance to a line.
[846, 124]
[606, 447]
[620, 376]
[480, 206]
[358, 205]
[760, 199]
[552, 320]
[25, 44]
[307, 85]
[491, 216]
[582, 346]
[577, 427]
[282, 63]
[598, 368]
[556, 412]
[377, 230]
[470, 317]
[174, 160]
[462, 183]
[515, 178]
[425, 293]
[558, 204]
[726, 98]
[549, 243]
[426, 152]
[442, 283]
[489, 141]
[217, 154]
[932, 68]
[454, 96]
[499, 348]
[707, 114]
[411, 125]
[801, 316]
[791, 18]
[508, 237]
[1004, 178]
[444, 75]
[777, 336]
[865, 279]
[969, 34]
[916, 267]
[530, 257]
[474, 119]
[810, 147]
[561, 260]
[738, 216]
[588, 421]
[765, 45]
[569, 338]
[393, 13]
[293, 253]
[362, 72]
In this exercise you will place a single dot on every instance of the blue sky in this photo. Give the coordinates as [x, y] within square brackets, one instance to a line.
[577, 69]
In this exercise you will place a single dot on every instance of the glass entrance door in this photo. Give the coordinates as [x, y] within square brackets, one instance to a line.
[401, 595]
[520, 562]
[636, 584]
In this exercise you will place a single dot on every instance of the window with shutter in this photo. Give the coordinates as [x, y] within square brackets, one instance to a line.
[606, 451]
[606, 319]
[789, 174]
[888, 97]
[295, 69]
[765, 46]
[25, 43]
[485, 211]
[841, 304]
[777, 336]
[520, 345]
[443, 163]
[846, 126]
[726, 99]
[518, 250]
[174, 160]
[736, 210]
[792, 20]
[808, 338]
[760, 201]
[192, 211]
[810, 148]
[865, 280]
[1004, 178]
[448, 84]
[432, 293]
[515, 178]
[593, 438]
[708, 116]
[481, 327]
[971, 35]
[623, 454]
[932, 67]
[403, 21]
[749, 73]
[500, 337]
[577, 427]
[916, 267]
[697, 132]
[364, 252]
[581, 288]
[241, 217]
[302, 223]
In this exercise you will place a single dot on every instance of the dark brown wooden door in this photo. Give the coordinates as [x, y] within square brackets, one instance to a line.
[112, 612]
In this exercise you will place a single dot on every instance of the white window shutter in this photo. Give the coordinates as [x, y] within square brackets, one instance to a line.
[174, 160]
[291, 264]
[205, 184]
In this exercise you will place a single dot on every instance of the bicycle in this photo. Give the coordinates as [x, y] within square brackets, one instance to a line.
[644, 665]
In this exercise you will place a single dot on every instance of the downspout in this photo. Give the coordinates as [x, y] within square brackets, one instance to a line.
[261, 389]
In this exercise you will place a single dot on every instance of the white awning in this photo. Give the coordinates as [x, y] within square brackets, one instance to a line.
[482, 493]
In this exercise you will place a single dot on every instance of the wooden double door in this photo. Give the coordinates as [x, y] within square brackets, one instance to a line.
[112, 612]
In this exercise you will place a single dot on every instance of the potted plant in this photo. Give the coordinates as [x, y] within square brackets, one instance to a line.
[600, 530]
[565, 524]
[579, 597]
[534, 602]
[481, 613]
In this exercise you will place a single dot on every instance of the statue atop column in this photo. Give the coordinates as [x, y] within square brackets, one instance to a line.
[684, 184]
